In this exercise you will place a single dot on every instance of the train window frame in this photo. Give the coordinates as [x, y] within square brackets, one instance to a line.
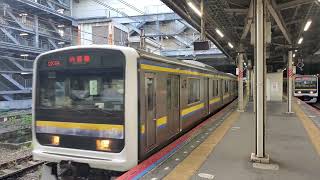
[198, 99]
[215, 89]
[226, 86]
[151, 98]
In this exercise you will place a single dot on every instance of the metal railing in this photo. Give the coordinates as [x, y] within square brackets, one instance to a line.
[26, 83]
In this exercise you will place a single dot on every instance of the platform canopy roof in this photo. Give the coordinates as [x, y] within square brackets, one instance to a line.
[233, 18]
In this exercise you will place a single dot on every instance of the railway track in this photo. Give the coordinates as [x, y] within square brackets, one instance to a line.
[18, 167]
[316, 105]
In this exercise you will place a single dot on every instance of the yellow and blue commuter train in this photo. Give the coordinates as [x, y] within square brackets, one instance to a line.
[106, 108]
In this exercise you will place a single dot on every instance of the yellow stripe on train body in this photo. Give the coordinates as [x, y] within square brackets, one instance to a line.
[83, 126]
[191, 109]
[162, 121]
[214, 100]
[172, 70]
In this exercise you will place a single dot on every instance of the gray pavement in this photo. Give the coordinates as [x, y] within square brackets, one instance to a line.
[287, 143]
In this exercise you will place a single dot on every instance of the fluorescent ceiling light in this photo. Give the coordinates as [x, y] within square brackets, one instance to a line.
[219, 32]
[306, 27]
[24, 34]
[300, 40]
[230, 45]
[60, 11]
[23, 73]
[194, 8]
[294, 55]
[24, 55]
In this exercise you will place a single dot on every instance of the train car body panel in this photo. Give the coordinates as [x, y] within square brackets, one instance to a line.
[120, 161]
[162, 99]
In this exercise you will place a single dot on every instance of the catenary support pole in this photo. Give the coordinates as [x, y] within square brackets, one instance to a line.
[36, 27]
[142, 40]
[259, 155]
[248, 85]
[240, 81]
[254, 88]
[289, 78]
[202, 33]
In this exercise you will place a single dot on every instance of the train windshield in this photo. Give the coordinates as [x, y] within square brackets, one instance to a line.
[306, 83]
[85, 89]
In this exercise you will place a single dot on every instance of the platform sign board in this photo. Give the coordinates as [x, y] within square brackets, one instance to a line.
[201, 45]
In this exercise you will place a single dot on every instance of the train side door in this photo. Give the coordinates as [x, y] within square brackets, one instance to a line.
[173, 105]
[150, 109]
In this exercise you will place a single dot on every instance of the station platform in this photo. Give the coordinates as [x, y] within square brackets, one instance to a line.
[222, 146]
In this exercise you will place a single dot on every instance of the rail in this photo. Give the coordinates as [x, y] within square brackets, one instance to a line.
[17, 167]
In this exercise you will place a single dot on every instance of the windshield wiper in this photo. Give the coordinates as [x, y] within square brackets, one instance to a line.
[78, 110]
[59, 108]
[98, 109]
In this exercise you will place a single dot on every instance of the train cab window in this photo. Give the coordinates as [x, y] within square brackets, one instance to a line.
[193, 90]
[82, 89]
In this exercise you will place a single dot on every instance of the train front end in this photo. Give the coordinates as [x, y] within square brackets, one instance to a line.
[85, 108]
[306, 88]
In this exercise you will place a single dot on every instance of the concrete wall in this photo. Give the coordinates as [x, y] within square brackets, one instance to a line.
[86, 34]
[274, 88]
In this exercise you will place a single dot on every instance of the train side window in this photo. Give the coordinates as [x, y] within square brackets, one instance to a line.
[215, 88]
[226, 87]
[150, 91]
[169, 93]
[193, 90]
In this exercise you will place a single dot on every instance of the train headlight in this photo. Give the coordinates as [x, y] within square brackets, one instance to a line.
[299, 92]
[103, 145]
[311, 92]
[55, 140]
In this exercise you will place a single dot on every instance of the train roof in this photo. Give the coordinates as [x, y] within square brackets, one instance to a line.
[188, 63]
[194, 64]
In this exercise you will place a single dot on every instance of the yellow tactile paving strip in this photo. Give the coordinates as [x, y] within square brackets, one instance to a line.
[193, 162]
[312, 130]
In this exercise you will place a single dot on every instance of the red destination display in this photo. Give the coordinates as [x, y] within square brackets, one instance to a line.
[54, 63]
[85, 59]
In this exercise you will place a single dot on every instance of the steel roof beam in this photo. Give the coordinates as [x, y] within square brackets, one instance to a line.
[292, 4]
[236, 11]
[273, 9]
[193, 22]
[249, 20]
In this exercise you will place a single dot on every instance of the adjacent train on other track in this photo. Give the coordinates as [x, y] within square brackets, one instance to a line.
[306, 88]
[105, 108]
